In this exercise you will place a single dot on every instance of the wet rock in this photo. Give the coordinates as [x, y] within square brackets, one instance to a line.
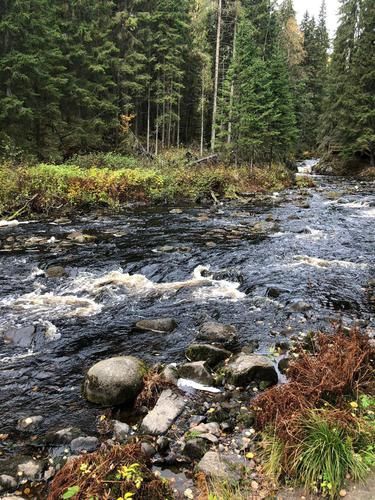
[121, 431]
[148, 449]
[299, 306]
[79, 237]
[88, 444]
[22, 337]
[56, 272]
[197, 372]
[176, 211]
[114, 381]
[166, 249]
[167, 409]
[246, 368]
[30, 469]
[265, 226]
[217, 333]
[63, 436]
[162, 443]
[275, 291]
[222, 466]
[12, 497]
[211, 354]
[283, 365]
[49, 473]
[195, 448]
[29, 424]
[251, 347]
[7, 483]
[159, 325]
[209, 428]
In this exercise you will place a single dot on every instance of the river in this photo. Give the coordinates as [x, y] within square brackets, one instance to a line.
[306, 265]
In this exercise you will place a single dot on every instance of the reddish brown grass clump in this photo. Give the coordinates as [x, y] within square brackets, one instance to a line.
[340, 366]
[96, 476]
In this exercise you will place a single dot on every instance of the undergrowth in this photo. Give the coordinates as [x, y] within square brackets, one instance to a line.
[319, 427]
[120, 472]
[112, 180]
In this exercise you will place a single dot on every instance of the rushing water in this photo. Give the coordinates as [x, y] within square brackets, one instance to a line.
[310, 268]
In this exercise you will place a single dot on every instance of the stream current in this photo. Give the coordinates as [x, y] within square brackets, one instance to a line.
[306, 264]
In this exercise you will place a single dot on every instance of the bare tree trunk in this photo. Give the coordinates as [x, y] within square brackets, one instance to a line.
[216, 82]
[157, 130]
[170, 117]
[202, 117]
[178, 120]
[229, 139]
[148, 119]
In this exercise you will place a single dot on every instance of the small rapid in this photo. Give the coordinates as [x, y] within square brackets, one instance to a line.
[275, 266]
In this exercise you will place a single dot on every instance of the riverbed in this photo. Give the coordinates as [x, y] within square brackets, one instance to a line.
[275, 266]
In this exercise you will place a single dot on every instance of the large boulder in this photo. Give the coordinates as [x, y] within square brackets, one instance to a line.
[246, 368]
[211, 354]
[212, 332]
[159, 325]
[114, 381]
[168, 407]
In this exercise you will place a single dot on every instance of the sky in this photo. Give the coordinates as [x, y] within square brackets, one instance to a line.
[313, 7]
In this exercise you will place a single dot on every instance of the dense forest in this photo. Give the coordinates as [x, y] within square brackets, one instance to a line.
[239, 76]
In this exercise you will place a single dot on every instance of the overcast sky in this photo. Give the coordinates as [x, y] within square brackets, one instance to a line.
[313, 7]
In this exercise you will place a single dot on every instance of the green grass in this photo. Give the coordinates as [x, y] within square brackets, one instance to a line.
[112, 180]
[326, 455]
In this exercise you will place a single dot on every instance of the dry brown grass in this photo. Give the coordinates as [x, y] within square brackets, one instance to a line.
[153, 385]
[95, 475]
[341, 365]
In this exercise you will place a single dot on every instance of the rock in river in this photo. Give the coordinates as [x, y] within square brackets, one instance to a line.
[196, 371]
[246, 368]
[217, 333]
[211, 354]
[225, 467]
[159, 325]
[114, 381]
[56, 272]
[29, 424]
[167, 409]
[80, 444]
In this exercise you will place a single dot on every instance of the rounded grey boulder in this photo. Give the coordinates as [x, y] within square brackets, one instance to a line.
[114, 381]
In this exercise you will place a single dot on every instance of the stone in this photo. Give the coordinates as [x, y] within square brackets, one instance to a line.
[176, 211]
[147, 449]
[246, 368]
[7, 483]
[283, 365]
[63, 436]
[88, 444]
[114, 381]
[162, 443]
[211, 354]
[29, 424]
[56, 272]
[275, 291]
[31, 469]
[195, 448]
[170, 374]
[79, 237]
[197, 372]
[217, 333]
[121, 431]
[22, 337]
[159, 325]
[299, 306]
[168, 407]
[222, 466]
[264, 226]
[209, 428]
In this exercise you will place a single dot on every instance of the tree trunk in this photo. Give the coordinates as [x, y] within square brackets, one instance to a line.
[216, 82]
[148, 120]
[202, 117]
[229, 140]
[157, 131]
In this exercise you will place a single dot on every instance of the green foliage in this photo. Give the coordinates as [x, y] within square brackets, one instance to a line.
[326, 455]
[70, 492]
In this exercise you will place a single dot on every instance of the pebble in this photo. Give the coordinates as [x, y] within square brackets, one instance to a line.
[254, 485]
[342, 493]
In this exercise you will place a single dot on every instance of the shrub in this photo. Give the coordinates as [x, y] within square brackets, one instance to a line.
[117, 472]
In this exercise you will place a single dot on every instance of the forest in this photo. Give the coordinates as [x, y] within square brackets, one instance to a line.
[236, 76]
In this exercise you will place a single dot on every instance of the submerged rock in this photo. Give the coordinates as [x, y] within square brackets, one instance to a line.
[246, 368]
[168, 407]
[29, 424]
[22, 337]
[79, 237]
[211, 354]
[114, 381]
[217, 333]
[121, 431]
[63, 436]
[30, 469]
[56, 272]
[196, 371]
[159, 325]
[80, 444]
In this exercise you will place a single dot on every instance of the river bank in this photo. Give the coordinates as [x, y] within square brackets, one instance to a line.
[275, 267]
[115, 181]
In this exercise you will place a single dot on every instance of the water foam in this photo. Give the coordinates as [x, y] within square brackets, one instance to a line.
[316, 262]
